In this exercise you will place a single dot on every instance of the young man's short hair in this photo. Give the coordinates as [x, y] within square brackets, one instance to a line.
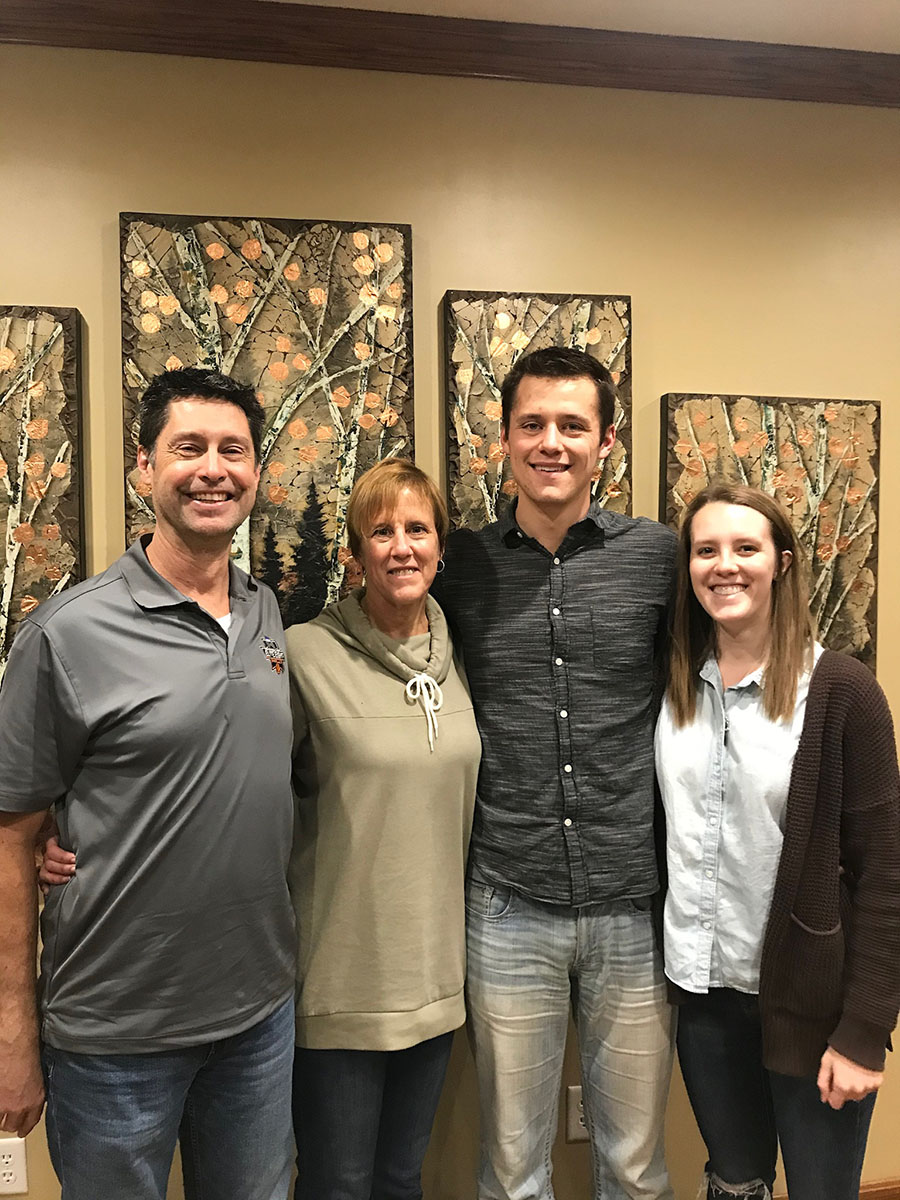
[561, 362]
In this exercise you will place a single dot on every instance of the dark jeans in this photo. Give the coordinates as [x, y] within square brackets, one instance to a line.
[112, 1120]
[744, 1111]
[362, 1119]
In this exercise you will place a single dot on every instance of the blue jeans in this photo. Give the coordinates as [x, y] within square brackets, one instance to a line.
[113, 1120]
[744, 1111]
[528, 964]
[362, 1119]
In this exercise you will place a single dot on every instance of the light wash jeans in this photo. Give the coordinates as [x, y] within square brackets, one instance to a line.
[529, 962]
[113, 1120]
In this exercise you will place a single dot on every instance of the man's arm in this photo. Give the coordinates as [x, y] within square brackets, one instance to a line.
[21, 1082]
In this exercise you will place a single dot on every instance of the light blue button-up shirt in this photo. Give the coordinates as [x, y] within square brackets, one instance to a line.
[724, 781]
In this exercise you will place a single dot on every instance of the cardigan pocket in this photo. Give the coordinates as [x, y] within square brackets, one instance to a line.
[812, 970]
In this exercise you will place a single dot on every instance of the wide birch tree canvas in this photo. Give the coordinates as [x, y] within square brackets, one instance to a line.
[485, 333]
[317, 317]
[40, 460]
[820, 458]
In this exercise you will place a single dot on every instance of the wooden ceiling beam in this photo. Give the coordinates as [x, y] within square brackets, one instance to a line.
[310, 35]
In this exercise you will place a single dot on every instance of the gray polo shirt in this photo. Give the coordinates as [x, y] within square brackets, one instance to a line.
[165, 746]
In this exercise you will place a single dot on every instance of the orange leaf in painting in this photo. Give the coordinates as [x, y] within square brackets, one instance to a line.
[700, 418]
[827, 528]
[283, 344]
[830, 414]
[23, 534]
[366, 421]
[7, 358]
[476, 440]
[298, 428]
[363, 265]
[384, 252]
[4, 469]
[843, 544]
[237, 312]
[836, 446]
[825, 553]
[279, 371]
[301, 362]
[50, 533]
[389, 417]
[341, 397]
[174, 363]
[28, 604]
[277, 494]
[291, 272]
[317, 296]
[251, 249]
[478, 466]
[215, 250]
[36, 554]
[277, 469]
[37, 489]
[143, 488]
[742, 448]
[805, 436]
[243, 288]
[395, 290]
[510, 487]
[683, 447]
[693, 466]
[613, 489]
[368, 294]
[593, 336]
[708, 449]
[168, 305]
[140, 269]
[760, 438]
[360, 240]
[149, 299]
[741, 424]
[324, 433]
[362, 351]
[34, 465]
[495, 452]
[218, 294]
[493, 410]
[854, 495]
[308, 453]
[38, 428]
[779, 479]
[54, 572]
[373, 400]
[150, 322]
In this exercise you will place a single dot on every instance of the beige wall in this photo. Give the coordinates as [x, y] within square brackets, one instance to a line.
[759, 240]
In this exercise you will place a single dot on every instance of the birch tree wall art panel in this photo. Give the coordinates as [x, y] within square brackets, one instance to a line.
[317, 317]
[820, 459]
[41, 512]
[485, 333]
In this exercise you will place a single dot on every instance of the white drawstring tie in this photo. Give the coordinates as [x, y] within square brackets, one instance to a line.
[422, 687]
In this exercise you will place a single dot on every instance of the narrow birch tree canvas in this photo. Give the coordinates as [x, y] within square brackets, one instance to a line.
[820, 458]
[316, 316]
[40, 460]
[485, 334]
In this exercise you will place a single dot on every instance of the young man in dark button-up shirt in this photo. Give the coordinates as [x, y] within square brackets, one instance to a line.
[560, 608]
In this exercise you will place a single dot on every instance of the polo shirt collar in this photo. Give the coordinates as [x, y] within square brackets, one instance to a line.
[508, 527]
[150, 590]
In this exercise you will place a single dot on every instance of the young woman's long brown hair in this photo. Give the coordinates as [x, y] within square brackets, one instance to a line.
[792, 626]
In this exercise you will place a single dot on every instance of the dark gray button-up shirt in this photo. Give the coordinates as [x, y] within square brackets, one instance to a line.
[563, 654]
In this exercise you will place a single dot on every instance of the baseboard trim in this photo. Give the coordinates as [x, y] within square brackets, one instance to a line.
[885, 1189]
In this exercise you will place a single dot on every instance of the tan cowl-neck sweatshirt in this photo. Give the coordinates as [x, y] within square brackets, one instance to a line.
[382, 831]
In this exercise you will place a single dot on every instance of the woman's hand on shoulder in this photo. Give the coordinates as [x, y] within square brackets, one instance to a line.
[56, 865]
[842, 1079]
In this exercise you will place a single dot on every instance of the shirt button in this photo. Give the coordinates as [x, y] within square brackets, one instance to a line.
[567, 822]
[519, 533]
[558, 662]
[568, 768]
[707, 925]
[563, 712]
[556, 562]
[713, 820]
[556, 612]
[709, 874]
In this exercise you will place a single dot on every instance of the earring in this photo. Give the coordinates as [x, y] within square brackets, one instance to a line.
[440, 566]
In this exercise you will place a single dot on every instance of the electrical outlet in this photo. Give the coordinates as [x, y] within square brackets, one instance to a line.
[13, 1175]
[576, 1130]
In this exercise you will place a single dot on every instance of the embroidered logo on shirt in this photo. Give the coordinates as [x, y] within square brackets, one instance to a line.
[273, 653]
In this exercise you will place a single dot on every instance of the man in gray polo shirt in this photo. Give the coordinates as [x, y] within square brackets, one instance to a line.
[148, 707]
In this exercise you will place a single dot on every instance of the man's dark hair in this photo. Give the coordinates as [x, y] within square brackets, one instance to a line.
[560, 362]
[195, 383]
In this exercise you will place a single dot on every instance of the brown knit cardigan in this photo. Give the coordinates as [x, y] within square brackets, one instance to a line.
[830, 971]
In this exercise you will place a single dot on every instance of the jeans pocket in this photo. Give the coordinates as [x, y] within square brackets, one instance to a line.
[489, 901]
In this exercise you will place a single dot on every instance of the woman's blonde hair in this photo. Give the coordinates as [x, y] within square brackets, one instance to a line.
[377, 491]
[792, 627]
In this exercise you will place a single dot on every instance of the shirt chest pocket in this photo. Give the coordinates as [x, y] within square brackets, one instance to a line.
[624, 636]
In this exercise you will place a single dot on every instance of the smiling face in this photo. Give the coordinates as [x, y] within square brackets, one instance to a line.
[399, 552]
[733, 565]
[202, 472]
[554, 442]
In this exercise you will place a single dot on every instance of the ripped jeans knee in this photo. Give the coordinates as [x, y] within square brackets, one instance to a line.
[718, 1189]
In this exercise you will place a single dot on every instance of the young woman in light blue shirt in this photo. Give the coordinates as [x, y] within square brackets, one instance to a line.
[766, 1038]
